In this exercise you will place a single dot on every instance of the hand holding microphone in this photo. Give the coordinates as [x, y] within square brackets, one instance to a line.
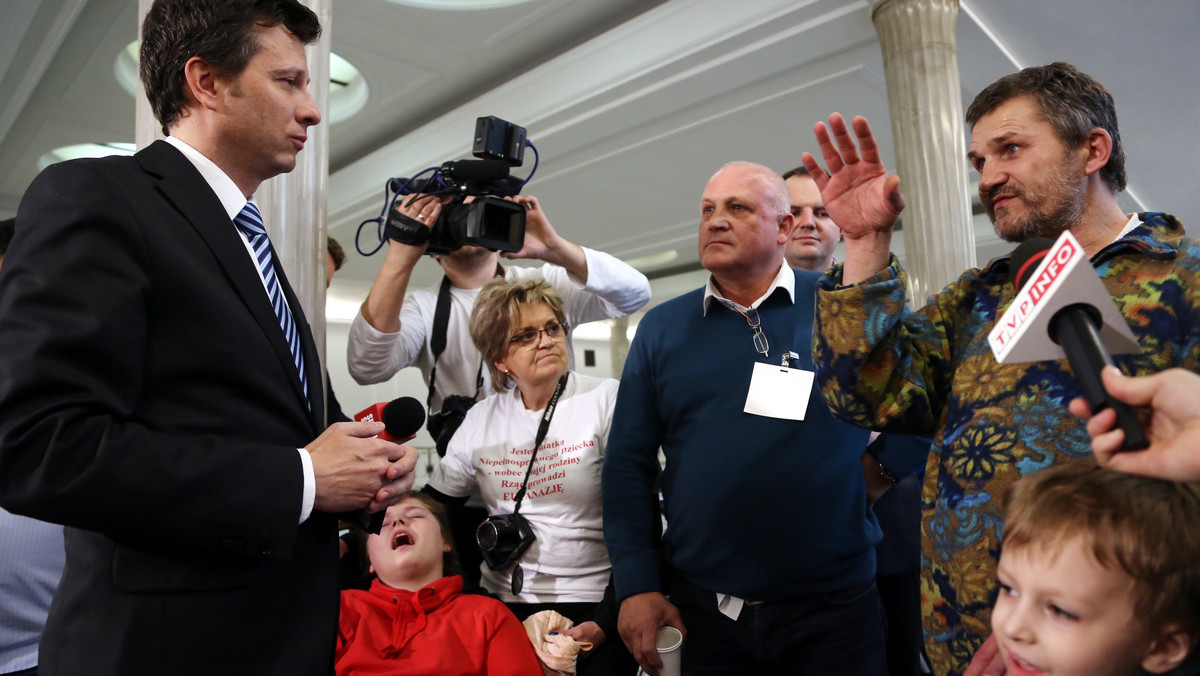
[1172, 398]
[357, 465]
[402, 419]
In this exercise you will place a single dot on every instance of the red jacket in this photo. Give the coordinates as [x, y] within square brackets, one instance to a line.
[435, 631]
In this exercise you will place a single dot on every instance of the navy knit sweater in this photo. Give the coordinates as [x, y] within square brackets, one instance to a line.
[761, 508]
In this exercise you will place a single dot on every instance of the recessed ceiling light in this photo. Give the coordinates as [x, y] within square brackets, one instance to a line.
[340, 311]
[458, 4]
[348, 91]
[126, 68]
[84, 150]
[654, 260]
[600, 330]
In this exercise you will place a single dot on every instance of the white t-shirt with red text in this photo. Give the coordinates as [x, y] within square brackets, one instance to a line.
[568, 562]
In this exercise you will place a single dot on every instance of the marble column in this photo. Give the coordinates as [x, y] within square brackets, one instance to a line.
[925, 101]
[618, 344]
[146, 129]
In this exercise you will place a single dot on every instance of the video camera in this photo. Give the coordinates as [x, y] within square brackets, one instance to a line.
[488, 220]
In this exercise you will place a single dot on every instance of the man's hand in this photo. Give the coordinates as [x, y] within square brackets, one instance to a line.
[381, 308]
[859, 194]
[424, 209]
[987, 660]
[356, 470]
[640, 617]
[1172, 424]
[400, 476]
[543, 243]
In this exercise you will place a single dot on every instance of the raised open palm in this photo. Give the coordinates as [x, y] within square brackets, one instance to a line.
[860, 195]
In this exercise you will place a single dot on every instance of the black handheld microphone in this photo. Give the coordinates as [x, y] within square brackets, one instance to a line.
[1075, 328]
[402, 418]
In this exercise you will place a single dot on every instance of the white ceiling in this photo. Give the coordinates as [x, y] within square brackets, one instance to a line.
[632, 103]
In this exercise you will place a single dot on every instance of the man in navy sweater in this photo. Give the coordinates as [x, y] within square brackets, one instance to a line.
[770, 561]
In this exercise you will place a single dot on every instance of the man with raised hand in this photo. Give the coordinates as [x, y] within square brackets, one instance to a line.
[1048, 152]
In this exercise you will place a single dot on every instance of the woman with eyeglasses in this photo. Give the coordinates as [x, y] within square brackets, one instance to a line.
[535, 449]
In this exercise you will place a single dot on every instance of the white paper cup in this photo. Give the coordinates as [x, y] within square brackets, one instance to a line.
[669, 642]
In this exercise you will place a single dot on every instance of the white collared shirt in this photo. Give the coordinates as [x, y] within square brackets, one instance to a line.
[1134, 221]
[784, 279]
[227, 191]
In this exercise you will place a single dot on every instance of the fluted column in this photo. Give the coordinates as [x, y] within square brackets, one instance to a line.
[925, 101]
[146, 129]
[618, 344]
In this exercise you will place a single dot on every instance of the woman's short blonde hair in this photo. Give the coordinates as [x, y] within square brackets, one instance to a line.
[495, 314]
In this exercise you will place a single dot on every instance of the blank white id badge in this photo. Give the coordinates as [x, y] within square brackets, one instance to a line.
[779, 392]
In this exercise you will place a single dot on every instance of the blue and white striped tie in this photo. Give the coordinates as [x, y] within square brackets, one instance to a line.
[250, 223]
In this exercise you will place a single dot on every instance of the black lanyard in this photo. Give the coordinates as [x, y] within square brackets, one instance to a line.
[437, 339]
[541, 436]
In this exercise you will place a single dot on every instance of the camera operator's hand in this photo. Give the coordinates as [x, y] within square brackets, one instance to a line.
[544, 244]
[423, 209]
[381, 309]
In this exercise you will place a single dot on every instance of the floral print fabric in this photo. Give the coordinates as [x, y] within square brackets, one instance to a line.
[931, 371]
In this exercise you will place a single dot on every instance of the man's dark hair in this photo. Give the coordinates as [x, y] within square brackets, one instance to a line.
[1072, 102]
[336, 253]
[799, 171]
[6, 233]
[219, 31]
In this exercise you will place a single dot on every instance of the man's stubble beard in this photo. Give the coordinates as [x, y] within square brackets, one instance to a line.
[1048, 213]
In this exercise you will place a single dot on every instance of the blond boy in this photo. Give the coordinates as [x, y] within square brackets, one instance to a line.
[1099, 573]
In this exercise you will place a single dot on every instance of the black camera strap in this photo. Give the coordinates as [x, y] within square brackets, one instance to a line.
[437, 340]
[541, 436]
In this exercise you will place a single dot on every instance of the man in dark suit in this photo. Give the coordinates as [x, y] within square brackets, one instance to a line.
[160, 392]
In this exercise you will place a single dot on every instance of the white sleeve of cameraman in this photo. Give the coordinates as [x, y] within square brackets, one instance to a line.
[373, 356]
[614, 288]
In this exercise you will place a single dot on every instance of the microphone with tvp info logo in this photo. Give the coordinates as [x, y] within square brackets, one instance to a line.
[1062, 309]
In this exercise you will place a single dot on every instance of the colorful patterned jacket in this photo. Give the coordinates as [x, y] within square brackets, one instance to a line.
[931, 372]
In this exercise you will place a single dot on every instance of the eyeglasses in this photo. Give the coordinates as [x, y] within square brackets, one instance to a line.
[760, 338]
[533, 336]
